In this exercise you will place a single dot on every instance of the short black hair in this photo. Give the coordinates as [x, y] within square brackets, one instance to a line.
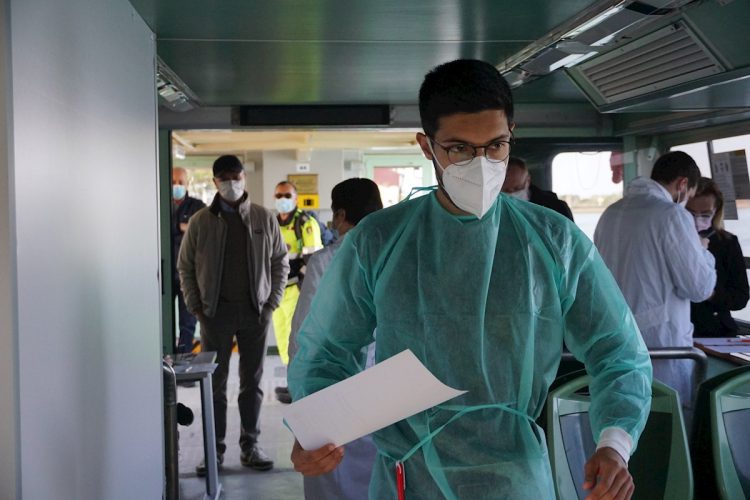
[227, 163]
[517, 162]
[287, 183]
[358, 197]
[676, 164]
[462, 86]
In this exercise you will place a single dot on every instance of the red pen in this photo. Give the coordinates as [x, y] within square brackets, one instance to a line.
[400, 481]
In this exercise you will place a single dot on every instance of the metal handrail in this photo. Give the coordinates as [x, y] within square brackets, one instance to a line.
[692, 353]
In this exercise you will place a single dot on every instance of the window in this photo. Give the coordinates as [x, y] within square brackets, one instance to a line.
[584, 182]
[398, 174]
[738, 225]
[699, 152]
[201, 184]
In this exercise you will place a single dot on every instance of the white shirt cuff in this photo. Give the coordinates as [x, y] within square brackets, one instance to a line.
[617, 439]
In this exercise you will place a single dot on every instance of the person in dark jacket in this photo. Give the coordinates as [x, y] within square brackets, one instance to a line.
[712, 317]
[183, 207]
[518, 184]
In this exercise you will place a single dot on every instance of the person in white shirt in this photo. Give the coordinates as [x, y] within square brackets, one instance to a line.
[351, 201]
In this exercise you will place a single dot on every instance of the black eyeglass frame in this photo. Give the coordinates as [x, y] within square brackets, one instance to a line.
[474, 148]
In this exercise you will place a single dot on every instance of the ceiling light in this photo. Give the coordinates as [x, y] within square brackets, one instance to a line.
[594, 21]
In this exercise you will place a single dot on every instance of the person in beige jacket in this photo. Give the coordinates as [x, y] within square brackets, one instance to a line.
[233, 269]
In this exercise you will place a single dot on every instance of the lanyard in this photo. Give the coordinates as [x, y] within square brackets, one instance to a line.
[461, 411]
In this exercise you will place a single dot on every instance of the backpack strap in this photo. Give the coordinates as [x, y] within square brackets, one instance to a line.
[300, 220]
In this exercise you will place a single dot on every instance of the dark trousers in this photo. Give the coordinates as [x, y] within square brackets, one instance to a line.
[243, 322]
[187, 325]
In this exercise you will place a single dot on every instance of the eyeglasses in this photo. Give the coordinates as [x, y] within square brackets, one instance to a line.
[462, 154]
[710, 213]
[283, 195]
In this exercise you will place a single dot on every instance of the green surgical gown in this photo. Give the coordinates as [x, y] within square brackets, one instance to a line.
[485, 304]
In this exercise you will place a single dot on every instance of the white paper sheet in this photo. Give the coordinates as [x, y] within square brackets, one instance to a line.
[392, 390]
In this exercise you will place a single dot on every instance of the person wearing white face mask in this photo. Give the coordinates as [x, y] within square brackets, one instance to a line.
[648, 241]
[184, 207]
[483, 289]
[518, 185]
[233, 268]
[301, 233]
[712, 317]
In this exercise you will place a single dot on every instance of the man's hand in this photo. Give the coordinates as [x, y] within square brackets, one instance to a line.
[183, 227]
[199, 315]
[266, 314]
[316, 462]
[607, 476]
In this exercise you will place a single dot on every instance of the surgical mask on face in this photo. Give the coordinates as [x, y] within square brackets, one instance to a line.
[702, 222]
[178, 191]
[285, 205]
[521, 194]
[473, 187]
[232, 190]
[680, 201]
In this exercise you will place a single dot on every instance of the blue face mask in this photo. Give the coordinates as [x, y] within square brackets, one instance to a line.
[178, 191]
[285, 205]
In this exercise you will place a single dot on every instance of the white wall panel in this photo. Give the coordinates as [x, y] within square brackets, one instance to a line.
[9, 444]
[87, 246]
[327, 164]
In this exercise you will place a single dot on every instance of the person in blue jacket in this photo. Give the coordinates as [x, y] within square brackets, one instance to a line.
[483, 289]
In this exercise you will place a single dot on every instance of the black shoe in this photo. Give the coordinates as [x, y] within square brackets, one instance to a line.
[281, 390]
[201, 470]
[256, 459]
[284, 397]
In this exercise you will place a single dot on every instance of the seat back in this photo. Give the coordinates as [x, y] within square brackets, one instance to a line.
[701, 440]
[660, 466]
[730, 421]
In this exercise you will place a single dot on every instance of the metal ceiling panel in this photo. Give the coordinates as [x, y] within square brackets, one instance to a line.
[356, 20]
[231, 73]
[335, 51]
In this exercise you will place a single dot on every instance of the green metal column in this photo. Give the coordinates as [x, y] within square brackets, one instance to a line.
[165, 230]
[630, 166]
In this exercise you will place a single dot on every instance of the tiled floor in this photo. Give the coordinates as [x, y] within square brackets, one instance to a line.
[238, 482]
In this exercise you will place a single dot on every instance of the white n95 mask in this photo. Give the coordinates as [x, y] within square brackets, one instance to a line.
[232, 190]
[473, 187]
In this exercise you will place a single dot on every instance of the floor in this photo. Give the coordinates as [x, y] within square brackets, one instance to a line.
[238, 482]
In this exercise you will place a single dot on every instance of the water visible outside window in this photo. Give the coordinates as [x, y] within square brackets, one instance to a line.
[585, 182]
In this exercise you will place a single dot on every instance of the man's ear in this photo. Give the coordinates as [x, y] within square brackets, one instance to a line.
[423, 141]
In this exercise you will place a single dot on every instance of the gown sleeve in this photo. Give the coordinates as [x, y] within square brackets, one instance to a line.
[601, 332]
[332, 341]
